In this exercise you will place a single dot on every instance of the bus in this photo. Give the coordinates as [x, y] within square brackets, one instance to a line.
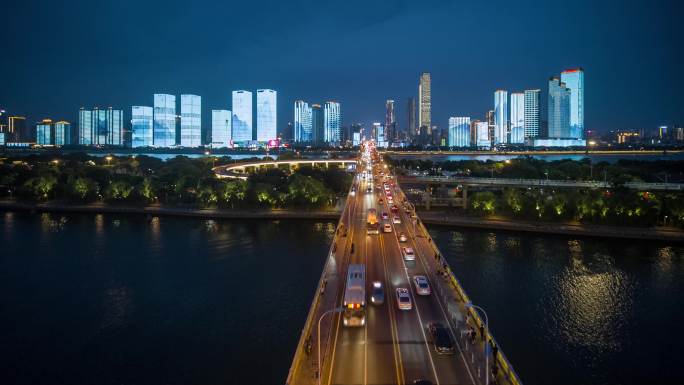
[355, 296]
[372, 225]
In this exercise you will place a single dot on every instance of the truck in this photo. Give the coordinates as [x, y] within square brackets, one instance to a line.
[372, 225]
[355, 296]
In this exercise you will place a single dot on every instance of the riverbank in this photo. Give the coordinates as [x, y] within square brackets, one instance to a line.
[101, 208]
[655, 233]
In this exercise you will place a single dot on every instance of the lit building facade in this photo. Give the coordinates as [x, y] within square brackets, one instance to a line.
[142, 123]
[62, 133]
[517, 118]
[390, 120]
[500, 117]
[459, 132]
[191, 121]
[221, 128]
[164, 130]
[16, 126]
[332, 122]
[100, 127]
[44, 132]
[482, 135]
[267, 115]
[411, 118]
[559, 109]
[242, 116]
[424, 103]
[574, 81]
[317, 125]
[302, 122]
[532, 121]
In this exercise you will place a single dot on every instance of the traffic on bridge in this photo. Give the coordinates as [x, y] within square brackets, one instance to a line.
[388, 309]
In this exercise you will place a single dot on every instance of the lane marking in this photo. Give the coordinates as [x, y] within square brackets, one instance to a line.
[398, 362]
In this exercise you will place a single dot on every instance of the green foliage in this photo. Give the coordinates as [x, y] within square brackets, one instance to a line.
[483, 202]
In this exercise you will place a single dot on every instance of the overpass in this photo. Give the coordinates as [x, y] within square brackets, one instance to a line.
[394, 346]
[242, 170]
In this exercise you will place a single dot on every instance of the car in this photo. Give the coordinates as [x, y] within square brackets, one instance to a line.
[396, 219]
[404, 299]
[378, 293]
[353, 191]
[441, 338]
[409, 255]
[394, 209]
[403, 237]
[384, 215]
[422, 285]
[387, 228]
[390, 200]
[381, 201]
[369, 189]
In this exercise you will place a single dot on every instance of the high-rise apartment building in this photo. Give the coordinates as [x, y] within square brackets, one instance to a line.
[574, 81]
[164, 128]
[390, 121]
[532, 121]
[332, 122]
[482, 133]
[517, 118]
[459, 132]
[501, 117]
[221, 128]
[16, 126]
[267, 115]
[44, 132]
[317, 125]
[100, 127]
[302, 122]
[242, 116]
[491, 126]
[62, 132]
[424, 104]
[191, 121]
[559, 109]
[142, 126]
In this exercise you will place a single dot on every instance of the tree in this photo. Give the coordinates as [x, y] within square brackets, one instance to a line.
[483, 202]
[81, 189]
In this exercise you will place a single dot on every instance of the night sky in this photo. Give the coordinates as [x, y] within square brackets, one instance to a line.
[58, 56]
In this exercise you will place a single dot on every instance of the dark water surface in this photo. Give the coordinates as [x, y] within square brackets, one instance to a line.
[106, 299]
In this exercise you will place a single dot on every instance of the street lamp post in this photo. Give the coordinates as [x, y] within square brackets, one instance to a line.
[318, 336]
[468, 305]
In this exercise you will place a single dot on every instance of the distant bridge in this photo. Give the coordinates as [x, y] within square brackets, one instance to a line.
[242, 170]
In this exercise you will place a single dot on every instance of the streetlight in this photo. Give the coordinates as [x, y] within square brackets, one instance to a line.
[335, 310]
[108, 158]
[471, 305]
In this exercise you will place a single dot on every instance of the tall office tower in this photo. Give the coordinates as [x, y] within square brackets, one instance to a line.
[62, 133]
[411, 120]
[267, 115]
[44, 132]
[482, 133]
[559, 109]
[473, 131]
[574, 81]
[501, 117]
[221, 128]
[191, 121]
[517, 117]
[142, 123]
[390, 121]
[164, 129]
[459, 132]
[489, 117]
[242, 116]
[333, 122]
[17, 126]
[424, 104]
[302, 122]
[378, 134]
[356, 130]
[531, 125]
[317, 125]
[85, 127]
[100, 127]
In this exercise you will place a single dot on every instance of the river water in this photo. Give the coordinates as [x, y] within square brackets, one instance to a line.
[110, 299]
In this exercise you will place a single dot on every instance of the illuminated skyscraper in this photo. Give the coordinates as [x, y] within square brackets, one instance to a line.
[44, 132]
[142, 122]
[559, 109]
[390, 121]
[191, 121]
[242, 116]
[424, 104]
[62, 133]
[482, 134]
[501, 117]
[100, 127]
[302, 122]
[532, 103]
[221, 128]
[517, 118]
[574, 81]
[164, 130]
[459, 132]
[16, 126]
[317, 125]
[267, 114]
[332, 122]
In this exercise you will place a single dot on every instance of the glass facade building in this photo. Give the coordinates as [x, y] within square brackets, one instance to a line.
[574, 81]
[500, 117]
[191, 121]
[221, 128]
[302, 122]
[459, 132]
[332, 123]
[100, 127]
[517, 118]
[267, 115]
[559, 109]
[242, 116]
[44, 132]
[62, 133]
[317, 125]
[424, 102]
[482, 135]
[164, 134]
[532, 103]
[142, 121]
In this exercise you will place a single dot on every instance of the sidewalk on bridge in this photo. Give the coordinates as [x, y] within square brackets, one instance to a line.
[566, 228]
